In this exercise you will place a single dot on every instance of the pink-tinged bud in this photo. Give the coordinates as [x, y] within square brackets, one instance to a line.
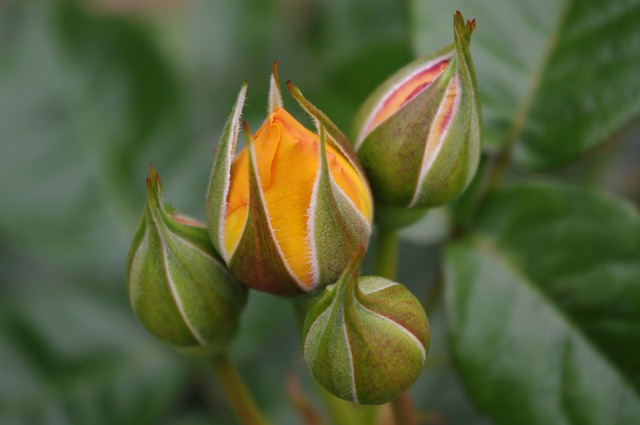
[179, 288]
[286, 211]
[418, 134]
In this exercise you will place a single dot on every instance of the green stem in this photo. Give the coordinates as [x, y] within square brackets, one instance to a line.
[386, 255]
[340, 412]
[386, 265]
[236, 392]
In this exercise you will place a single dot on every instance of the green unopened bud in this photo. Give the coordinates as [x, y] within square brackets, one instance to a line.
[418, 134]
[366, 338]
[286, 212]
[178, 286]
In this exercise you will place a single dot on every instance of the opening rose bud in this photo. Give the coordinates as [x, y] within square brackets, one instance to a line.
[406, 91]
[287, 210]
[418, 134]
[179, 288]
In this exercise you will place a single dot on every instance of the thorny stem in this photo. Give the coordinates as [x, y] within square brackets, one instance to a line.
[236, 392]
[386, 265]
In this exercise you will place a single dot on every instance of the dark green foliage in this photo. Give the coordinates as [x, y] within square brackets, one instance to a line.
[542, 299]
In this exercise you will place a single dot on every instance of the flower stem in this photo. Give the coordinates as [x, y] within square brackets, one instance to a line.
[386, 255]
[386, 265]
[236, 392]
[341, 412]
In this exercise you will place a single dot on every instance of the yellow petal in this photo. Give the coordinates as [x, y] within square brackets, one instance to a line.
[287, 156]
[289, 193]
[347, 178]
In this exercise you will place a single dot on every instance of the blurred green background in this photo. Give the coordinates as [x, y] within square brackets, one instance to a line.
[93, 91]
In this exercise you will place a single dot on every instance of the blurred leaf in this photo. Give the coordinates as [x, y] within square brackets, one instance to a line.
[352, 80]
[83, 101]
[544, 307]
[348, 28]
[267, 349]
[433, 228]
[195, 418]
[361, 43]
[70, 358]
[556, 78]
[439, 390]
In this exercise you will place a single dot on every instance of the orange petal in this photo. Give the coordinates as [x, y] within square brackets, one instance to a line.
[288, 195]
[347, 178]
[287, 157]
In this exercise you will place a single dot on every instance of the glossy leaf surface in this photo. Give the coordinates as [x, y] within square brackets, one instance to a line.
[544, 306]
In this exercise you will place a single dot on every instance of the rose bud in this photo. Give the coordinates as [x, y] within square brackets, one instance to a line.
[286, 212]
[178, 286]
[365, 340]
[418, 134]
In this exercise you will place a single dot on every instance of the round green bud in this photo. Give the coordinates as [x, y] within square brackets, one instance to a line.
[366, 339]
[178, 286]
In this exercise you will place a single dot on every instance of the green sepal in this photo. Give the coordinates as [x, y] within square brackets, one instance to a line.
[257, 261]
[459, 155]
[338, 226]
[219, 183]
[326, 347]
[366, 339]
[275, 96]
[336, 137]
[178, 286]
[389, 340]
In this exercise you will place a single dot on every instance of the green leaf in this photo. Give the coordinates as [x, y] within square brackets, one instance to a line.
[85, 104]
[433, 228]
[71, 357]
[544, 307]
[439, 389]
[557, 79]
